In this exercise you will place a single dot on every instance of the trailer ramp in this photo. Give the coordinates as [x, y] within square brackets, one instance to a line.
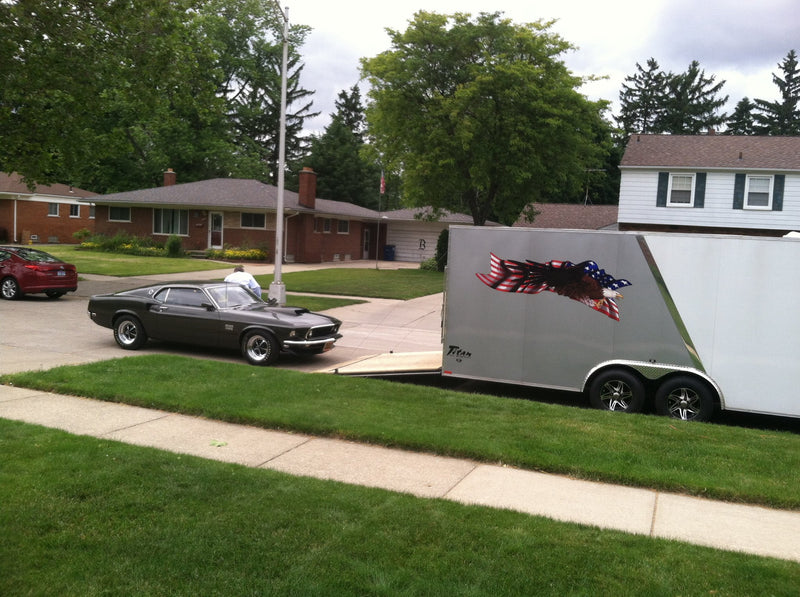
[393, 363]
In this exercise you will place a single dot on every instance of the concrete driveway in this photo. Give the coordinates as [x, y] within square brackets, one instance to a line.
[41, 333]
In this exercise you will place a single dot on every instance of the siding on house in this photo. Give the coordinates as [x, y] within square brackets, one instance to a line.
[638, 191]
[716, 161]
[414, 241]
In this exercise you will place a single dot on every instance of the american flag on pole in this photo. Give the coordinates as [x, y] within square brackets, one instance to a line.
[383, 184]
[584, 282]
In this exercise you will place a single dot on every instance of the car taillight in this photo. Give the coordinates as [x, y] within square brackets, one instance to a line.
[34, 267]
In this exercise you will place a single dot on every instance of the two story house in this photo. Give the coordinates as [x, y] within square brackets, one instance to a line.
[724, 184]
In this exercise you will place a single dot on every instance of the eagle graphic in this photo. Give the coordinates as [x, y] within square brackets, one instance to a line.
[584, 282]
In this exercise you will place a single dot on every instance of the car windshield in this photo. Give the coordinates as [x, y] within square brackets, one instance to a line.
[232, 295]
[38, 256]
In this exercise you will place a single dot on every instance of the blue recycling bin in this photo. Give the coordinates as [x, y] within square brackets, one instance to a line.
[388, 252]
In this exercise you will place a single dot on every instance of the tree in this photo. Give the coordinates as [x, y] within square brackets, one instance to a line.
[338, 156]
[679, 104]
[781, 117]
[106, 96]
[642, 99]
[480, 116]
[691, 105]
[741, 122]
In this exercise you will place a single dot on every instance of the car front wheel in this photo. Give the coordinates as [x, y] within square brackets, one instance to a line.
[129, 332]
[9, 289]
[260, 348]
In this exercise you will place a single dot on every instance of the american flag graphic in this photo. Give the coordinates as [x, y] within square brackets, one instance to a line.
[584, 282]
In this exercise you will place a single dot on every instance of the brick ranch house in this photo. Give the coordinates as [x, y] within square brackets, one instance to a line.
[48, 213]
[242, 213]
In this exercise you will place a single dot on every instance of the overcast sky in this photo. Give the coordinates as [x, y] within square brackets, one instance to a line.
[741, 42]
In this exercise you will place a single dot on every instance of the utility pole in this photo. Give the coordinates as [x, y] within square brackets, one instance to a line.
[277, 290]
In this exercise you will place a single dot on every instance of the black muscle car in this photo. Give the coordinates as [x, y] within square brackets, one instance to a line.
[215, 314]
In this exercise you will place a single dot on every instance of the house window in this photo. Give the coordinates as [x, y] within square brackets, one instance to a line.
[74, 211]
[681, 190]
[171, 221]
[758, 192]
[254, 220]
[52, 209]
[322, 225]
[91, 211]
[343, 227]
[119, 214]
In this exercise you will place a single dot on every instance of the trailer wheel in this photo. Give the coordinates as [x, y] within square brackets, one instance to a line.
[617, 390]
[686, 398]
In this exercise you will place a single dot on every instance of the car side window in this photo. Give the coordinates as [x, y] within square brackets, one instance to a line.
[188, 297]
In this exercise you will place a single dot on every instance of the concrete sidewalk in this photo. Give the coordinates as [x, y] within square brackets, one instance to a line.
[749, 529]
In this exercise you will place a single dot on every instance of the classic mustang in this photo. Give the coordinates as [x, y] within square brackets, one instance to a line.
[216, 314]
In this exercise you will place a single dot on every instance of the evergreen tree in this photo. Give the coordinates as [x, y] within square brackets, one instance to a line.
[781, 117]
[741, 122]
[340, 158]
[691, 105]
[642, 99]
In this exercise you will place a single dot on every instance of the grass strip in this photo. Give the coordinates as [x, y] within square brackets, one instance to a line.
[714, 461]
[85, 516]
[118, 264]
[401, 284]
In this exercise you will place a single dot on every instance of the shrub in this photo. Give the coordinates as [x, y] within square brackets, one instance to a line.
[429, 265]
[237, 254]
[82, 234]
[441, 250]
[173, 246]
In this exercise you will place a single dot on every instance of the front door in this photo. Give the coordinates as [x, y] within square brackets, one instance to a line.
[365, 250]
[215, 226]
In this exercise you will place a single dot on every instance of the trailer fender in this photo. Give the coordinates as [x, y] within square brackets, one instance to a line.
[659, 373]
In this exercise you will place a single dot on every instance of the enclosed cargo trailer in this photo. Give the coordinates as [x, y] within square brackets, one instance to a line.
[684, 323]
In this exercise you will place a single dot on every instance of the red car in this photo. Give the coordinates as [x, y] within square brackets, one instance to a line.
[24, 270]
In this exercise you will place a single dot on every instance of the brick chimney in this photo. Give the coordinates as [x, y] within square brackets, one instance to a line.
[307, 195]
[169, 177]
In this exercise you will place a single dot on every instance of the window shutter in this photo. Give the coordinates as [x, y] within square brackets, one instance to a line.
[777, 192]
[663, 185]
[738, 191]
[700, 189]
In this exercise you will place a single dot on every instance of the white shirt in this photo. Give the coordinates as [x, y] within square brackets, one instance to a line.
[244, 279]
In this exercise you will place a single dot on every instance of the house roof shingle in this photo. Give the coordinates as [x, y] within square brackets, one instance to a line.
[571, 216]
[11, 184]
[739, 152]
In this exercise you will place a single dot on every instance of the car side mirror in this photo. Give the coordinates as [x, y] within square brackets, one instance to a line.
[208, 306]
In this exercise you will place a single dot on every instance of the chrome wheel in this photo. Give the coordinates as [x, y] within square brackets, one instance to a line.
[616, 395]
[260, 348]
[129, 333]
[685, 398]
[617, 390]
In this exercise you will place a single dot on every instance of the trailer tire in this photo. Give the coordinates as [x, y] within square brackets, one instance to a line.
[686, 398]
[617, 390]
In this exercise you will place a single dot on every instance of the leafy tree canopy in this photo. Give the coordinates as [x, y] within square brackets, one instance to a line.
[481, 115]
[107, 95]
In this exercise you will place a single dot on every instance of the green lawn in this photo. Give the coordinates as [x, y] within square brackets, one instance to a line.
[715, 461]
[88, 517]
[402, 284]
[118, 264]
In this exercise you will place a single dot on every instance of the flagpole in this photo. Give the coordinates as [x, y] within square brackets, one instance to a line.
[378, 234]
[277, 290]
